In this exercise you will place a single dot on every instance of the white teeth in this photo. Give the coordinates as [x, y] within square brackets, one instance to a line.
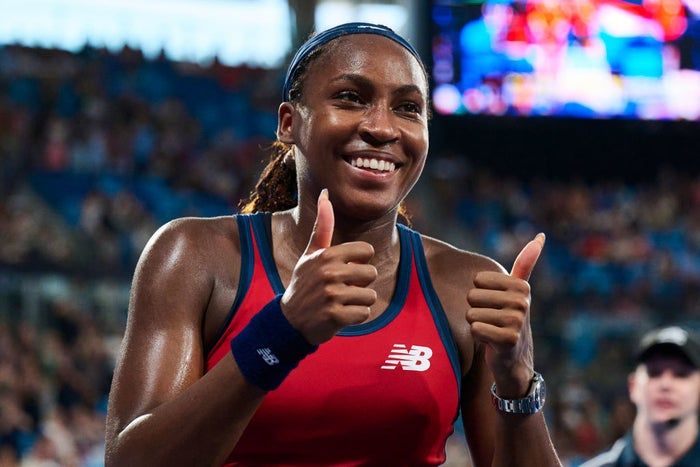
[374, 164]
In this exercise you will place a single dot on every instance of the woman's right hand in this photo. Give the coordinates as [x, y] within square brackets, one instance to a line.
[329, 285]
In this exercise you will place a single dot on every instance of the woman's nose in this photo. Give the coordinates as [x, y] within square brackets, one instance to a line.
[378, 126]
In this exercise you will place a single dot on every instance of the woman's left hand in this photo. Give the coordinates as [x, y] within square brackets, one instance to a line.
[499, 316]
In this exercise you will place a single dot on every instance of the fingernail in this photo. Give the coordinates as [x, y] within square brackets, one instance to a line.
[541, 237]
[324, 194]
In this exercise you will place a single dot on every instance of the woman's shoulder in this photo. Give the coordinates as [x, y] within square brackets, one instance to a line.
[198, 230]
[452, 264]
[208, 239]
[192, 227]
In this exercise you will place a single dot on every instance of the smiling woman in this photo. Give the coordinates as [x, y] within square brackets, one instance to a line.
[313, 329]
[366, 109]
[350, 92]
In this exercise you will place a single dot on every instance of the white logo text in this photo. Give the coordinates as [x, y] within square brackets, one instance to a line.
[268, 356]
[417, 358]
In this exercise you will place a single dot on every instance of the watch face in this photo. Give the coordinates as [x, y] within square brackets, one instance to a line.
[535, 400]
[541, 390]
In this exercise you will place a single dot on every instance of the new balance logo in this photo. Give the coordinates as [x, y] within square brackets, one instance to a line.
[268, 356]
[417, 358]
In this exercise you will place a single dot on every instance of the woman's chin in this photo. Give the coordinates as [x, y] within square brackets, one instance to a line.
[364, 210]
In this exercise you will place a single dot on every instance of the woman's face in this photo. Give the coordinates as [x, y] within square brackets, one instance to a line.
[361, 127]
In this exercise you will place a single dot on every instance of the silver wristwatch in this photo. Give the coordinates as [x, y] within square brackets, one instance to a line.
[532, 403]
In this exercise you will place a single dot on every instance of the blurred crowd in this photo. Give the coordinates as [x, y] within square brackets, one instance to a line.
[619, 259]
[109, 146]
[54, 380]
[97, 150]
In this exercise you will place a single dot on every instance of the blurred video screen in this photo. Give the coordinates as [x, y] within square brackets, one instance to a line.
[572, 58]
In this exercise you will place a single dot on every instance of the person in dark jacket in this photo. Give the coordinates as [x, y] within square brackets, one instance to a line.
[665, 388]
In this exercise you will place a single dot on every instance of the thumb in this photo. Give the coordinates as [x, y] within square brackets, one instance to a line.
[323, 228]
[527, 258]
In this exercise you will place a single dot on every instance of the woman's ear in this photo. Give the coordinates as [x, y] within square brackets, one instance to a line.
[285, 112]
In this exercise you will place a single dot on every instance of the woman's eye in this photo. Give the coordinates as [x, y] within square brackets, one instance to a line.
[410, 107]
[350, 96]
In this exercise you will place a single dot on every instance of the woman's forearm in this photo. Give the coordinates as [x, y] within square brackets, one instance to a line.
[200, 426]
[523, 441]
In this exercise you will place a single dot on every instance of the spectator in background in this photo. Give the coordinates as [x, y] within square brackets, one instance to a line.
[665, 387]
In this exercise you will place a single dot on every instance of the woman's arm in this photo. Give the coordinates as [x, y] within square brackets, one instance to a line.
[162, 410]
[488, 310]
[496, 438]
[499, 316]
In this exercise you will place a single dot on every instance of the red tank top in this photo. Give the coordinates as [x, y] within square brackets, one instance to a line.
[382, 393]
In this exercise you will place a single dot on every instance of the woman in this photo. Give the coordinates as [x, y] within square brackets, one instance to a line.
[351, 340]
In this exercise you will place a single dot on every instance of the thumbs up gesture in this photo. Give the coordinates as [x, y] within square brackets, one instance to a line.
[499, 316]
[328, 289]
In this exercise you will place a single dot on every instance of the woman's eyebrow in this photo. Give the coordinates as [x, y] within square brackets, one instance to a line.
[407, 89]
[353, 77]
[362, 81]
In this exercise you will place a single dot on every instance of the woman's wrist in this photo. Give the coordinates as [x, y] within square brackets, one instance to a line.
[269, 347]
[514, 385]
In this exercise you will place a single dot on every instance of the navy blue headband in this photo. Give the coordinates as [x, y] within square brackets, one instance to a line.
[335, 32]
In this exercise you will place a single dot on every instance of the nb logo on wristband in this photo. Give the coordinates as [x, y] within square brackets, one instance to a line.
[415, 359]
[268, 356]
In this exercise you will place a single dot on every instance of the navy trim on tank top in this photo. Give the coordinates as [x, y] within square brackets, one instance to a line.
[262, 223]
[246, 274]
[439, 316]
[263, 236]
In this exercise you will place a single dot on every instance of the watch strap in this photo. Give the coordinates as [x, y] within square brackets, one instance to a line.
[532, 403]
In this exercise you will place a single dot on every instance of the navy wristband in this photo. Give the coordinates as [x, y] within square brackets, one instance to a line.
[268, 348]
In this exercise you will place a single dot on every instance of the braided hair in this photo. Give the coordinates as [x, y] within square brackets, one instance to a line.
[276, 189]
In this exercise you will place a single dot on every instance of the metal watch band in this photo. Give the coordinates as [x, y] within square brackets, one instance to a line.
[532, 403]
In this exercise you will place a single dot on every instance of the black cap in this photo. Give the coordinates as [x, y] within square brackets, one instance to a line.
[671, 338]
